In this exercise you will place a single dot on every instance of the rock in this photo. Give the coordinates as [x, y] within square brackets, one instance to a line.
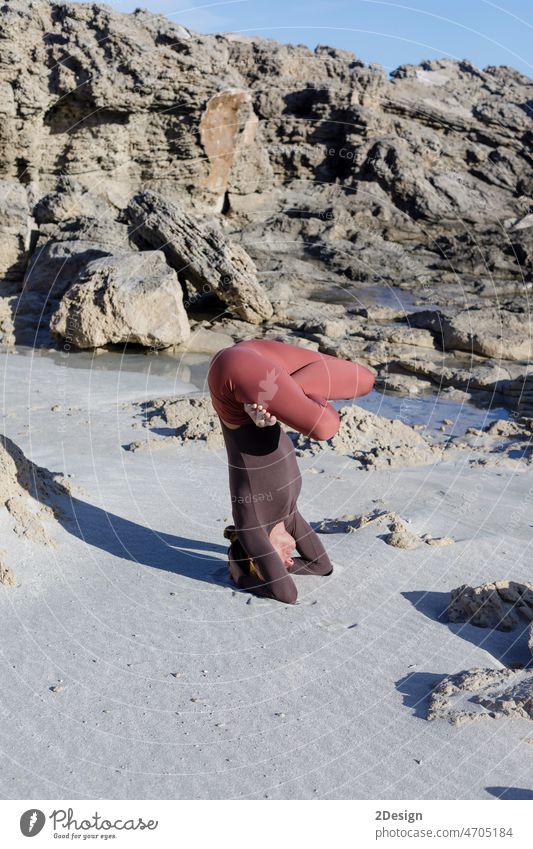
[228, 131]
[374, 441]
[203, 340]
[485, 330]
[403, 384]
[7, 578]
[70, 201]
[29, 493]
[349, 524]
[279, 294]
[126, 297]
[517, 393]
[326, 172]
[56, 265]
[482, 694]
[7, 320]
[491, 332]
[437, 541]
[501, 605]
[190, 417]
[332, 328]
[401, 537]
[15, 230]
[201, 255]
[497, 381]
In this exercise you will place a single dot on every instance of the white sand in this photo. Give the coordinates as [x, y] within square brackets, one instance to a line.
[323, 699]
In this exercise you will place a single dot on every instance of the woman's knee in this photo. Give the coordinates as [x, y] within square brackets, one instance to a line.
[365, 380]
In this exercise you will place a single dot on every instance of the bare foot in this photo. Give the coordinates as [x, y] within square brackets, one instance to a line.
[259, 415]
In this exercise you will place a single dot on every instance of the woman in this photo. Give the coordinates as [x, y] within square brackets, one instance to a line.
[254, 385]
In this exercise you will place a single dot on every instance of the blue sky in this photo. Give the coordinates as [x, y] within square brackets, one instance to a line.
[391, 32]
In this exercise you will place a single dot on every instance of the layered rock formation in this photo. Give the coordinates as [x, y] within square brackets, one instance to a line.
[200, 255]
[285, 166]
[29, 493]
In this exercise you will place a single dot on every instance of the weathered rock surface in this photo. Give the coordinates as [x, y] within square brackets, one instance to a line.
[7, 576]
[201, 255]
[400, 536]
[375, 442]
[189, 417]
[15, 229]
[125, 297]
[490, 331]
[7, 320]
[258, 126]
[55, 266]
[29, 493]
[291, 168]
[501, 605]
[483, 694]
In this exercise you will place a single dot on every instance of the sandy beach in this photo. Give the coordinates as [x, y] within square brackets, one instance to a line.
[170, 683]
[164, 195]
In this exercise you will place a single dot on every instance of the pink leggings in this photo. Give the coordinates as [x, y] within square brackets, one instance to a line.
[292, 383]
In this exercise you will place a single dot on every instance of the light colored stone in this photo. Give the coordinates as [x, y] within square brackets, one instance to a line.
[483, 694]
[201, 255]
[126, 297]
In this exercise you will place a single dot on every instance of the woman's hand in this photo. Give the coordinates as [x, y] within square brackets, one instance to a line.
[259, 415]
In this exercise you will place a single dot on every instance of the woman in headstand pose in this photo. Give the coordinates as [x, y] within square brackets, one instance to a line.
[254, 385]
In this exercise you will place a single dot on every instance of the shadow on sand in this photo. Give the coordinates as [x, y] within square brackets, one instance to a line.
[116, 535]
[510, 792]
[123, 538]
[508, 647]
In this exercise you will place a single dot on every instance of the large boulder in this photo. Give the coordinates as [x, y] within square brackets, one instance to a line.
[125, 297]
[55, 266]
[201, 255]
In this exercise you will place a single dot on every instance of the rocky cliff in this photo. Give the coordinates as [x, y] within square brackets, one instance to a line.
[307, 168]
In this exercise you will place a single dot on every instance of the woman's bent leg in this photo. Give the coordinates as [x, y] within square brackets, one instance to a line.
[334, 379]
[258, 380]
